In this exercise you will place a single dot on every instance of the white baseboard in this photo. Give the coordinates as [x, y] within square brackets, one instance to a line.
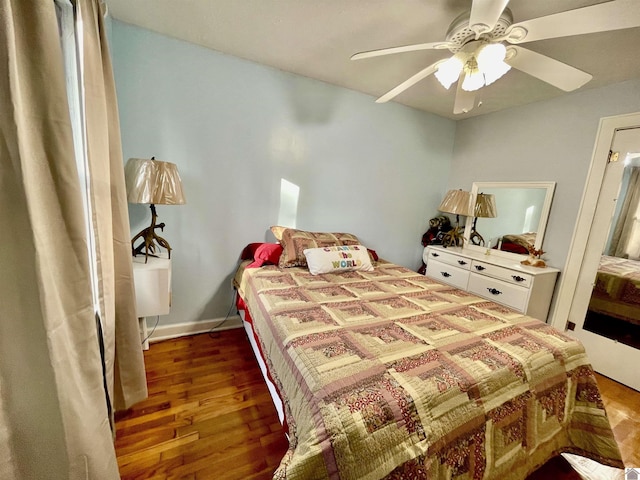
[165, 332]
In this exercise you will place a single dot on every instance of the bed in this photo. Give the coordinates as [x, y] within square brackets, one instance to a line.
[383, 373]
[617, 289]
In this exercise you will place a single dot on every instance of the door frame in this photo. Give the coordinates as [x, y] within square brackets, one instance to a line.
[569, 278]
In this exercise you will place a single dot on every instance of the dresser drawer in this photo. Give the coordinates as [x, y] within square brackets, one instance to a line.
[448, 274]
[448, 258]
[506, 274]
[513, 296]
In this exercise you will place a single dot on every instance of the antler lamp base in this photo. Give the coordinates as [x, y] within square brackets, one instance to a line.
[151, 242]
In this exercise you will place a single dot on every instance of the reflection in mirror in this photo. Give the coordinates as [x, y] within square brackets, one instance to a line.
[614, 307]
[522, 210]
[485, 208]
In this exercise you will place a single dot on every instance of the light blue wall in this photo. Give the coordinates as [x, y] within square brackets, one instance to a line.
[543, 141]
[236, 128]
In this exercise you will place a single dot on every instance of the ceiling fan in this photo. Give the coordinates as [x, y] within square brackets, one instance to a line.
[485, 45]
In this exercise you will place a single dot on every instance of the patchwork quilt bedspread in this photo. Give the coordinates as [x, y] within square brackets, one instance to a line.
[390, 375]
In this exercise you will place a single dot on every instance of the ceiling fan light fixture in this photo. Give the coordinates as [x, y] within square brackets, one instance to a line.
[497, 71]
[474, 78]
[449, 71]
[490, 59]
[490, 53]
[480, 35]
[473, 81]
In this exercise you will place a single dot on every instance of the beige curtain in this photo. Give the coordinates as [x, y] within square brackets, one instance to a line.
[112, 216]
[625, 241]
[54, 420]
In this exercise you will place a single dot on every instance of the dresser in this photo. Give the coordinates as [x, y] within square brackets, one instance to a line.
[526, 289]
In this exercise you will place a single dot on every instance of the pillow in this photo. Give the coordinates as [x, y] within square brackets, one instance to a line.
[340, 258]
[294, 242]
[277, 231]
[249, 251]
[266, 253]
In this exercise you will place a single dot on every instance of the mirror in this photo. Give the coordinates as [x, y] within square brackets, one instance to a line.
[521, 219]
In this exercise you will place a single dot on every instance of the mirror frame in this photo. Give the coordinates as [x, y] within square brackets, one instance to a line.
[544, 215]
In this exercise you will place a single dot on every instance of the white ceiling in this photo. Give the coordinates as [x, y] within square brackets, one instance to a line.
[316, 38]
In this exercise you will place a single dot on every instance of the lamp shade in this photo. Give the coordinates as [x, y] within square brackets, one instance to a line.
[491, 62]
[486, 206]
[449, 71]
[153, 181]
[457, 202]
[473, 79]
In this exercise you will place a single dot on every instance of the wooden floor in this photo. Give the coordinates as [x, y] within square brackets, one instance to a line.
[209, 416]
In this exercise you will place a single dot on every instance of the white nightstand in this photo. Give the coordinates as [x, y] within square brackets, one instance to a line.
[153, 290]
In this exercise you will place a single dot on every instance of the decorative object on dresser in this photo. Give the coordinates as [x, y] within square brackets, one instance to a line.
[485, 208]
[459, 203]
[156, 183]
[535, 258]
[502, 280]
[438, 227]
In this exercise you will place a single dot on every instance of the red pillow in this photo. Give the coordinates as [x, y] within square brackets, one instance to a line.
[249, 251]
[266, 253]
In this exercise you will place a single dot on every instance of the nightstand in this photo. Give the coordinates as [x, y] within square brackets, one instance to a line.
[153, 290]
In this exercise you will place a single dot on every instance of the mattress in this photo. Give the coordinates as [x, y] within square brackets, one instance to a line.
[388, 374]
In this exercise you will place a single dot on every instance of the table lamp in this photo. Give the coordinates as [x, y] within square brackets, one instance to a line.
[156, 183]
[485, 208]
[459, 203]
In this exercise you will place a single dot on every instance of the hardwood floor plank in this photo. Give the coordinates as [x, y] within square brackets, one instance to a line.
[154, 452]
[133, 421]
[209, 416]
[239, 461]
[622, 404]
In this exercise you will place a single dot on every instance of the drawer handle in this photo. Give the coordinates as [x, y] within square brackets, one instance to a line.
[445, 274]
[494, 291]
[462, 262]
[518, 278]
[479, 268]
[435, 254]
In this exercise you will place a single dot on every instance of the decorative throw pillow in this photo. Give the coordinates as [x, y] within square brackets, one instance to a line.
[266, 254]
[248, 253]
[277, 231]
[294, 242]
[338, 259]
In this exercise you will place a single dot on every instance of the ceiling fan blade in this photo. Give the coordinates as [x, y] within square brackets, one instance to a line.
[405, 48]
[554, 72]
[485, 15]
[465, 101]
[614, 15]
[408, 83]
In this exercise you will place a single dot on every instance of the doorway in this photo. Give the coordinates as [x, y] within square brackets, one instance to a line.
[605, 309]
